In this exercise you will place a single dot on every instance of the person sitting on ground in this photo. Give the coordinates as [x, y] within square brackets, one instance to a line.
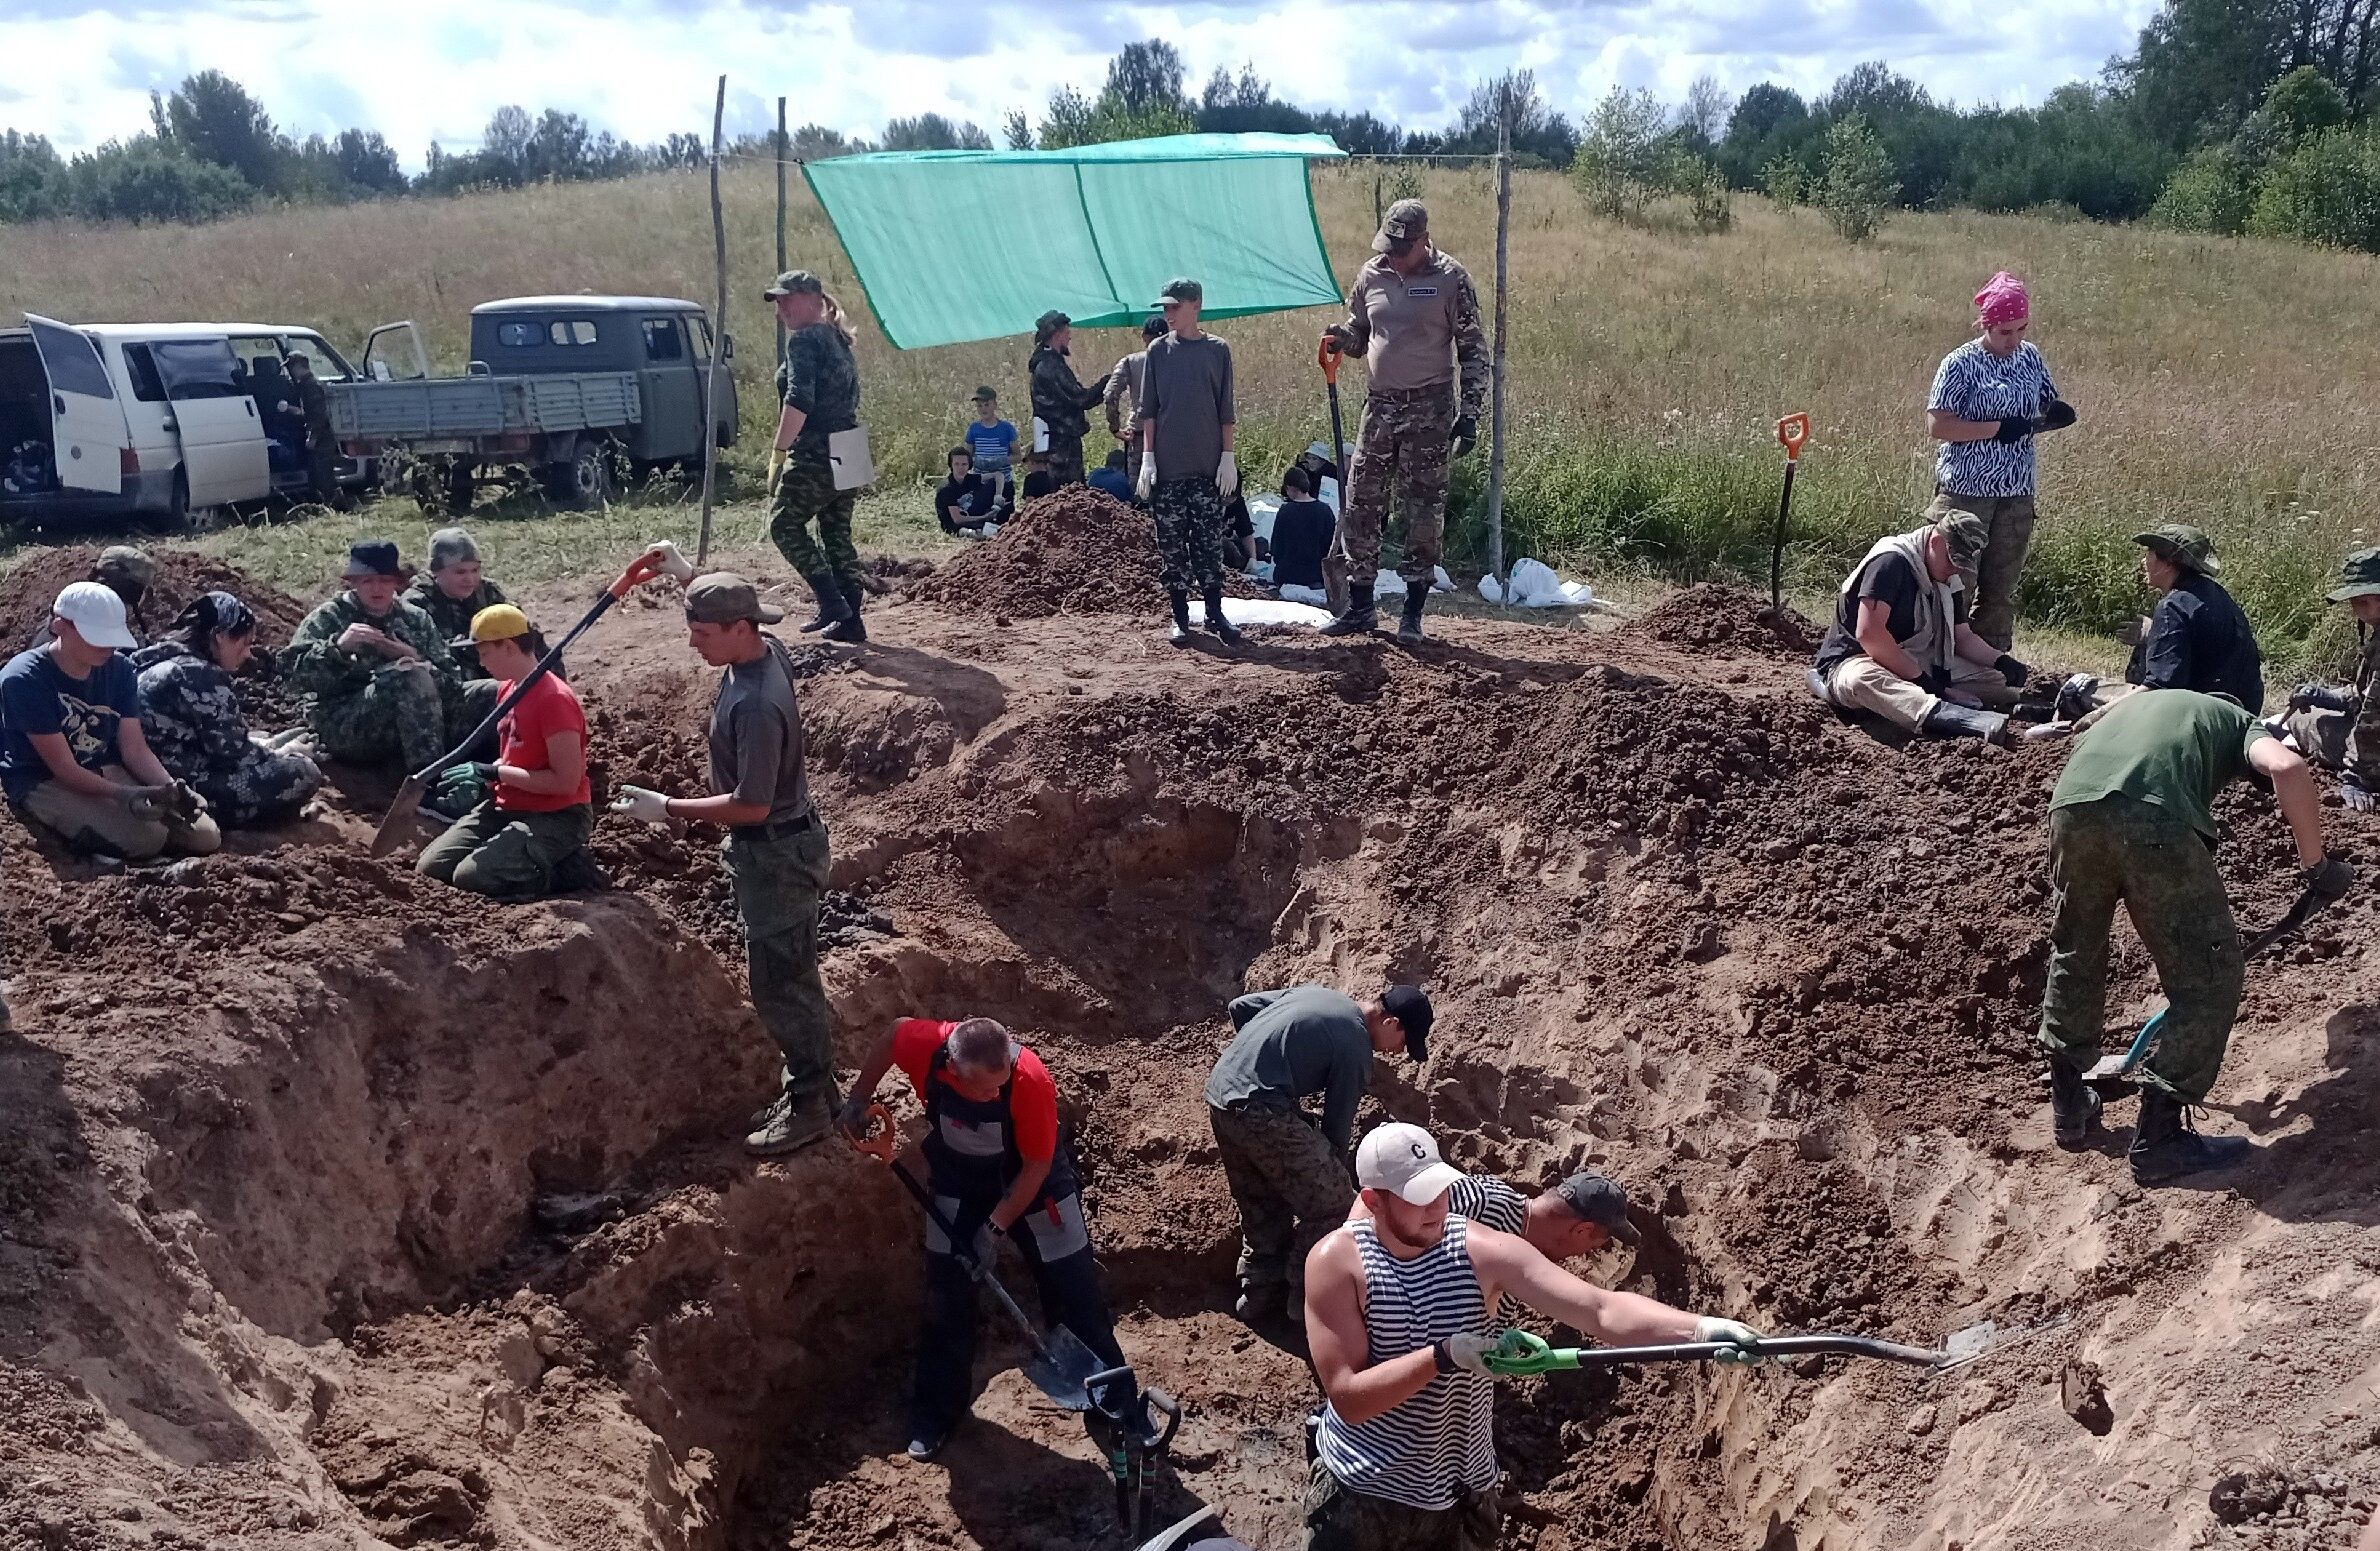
[1319, 465]
[1577, 1217]
[967, 500]
[1239, 527]
[2337, 726]
[452, 590]
[1901, 647]
[2196, 638]
[528, 839]
[1114, 476]
[194, 724]
[73, 758]
[1302, 532]
[1039, 481]
[991, 442]
[1000, 1167]
[125, 571]
[379, 672]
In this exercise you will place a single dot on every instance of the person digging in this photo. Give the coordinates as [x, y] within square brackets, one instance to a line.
[2337, 726]
[1577, 1217]
[2130, 824]
[1398, 1318]
[776, 847]
[1000, 1168]
[1187, 470]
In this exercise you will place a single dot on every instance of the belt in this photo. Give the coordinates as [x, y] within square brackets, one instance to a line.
[1435, 390]
[775, 829]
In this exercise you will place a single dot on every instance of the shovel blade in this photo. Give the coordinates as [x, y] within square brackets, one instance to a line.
[398, 823]
[1060, 1365]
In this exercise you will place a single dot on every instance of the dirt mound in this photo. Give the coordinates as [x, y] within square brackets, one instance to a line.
[1714, 615]
[1075, 551]
[27, 591]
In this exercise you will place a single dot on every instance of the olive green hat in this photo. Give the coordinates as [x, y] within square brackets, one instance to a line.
[2358, 577]
[794, 282]
[1966, 535]
[2182, 545]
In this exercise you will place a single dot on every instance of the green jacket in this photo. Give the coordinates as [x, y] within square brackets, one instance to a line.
[318, 665]
[453, 616]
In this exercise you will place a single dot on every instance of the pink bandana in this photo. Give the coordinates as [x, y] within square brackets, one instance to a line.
[2002, 300]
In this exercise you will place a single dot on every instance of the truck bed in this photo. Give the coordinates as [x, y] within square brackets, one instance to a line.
[467, 409]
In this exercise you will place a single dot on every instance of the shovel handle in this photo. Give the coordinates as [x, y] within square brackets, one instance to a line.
[877, 1138]
[1708, 1351]
[1328, 358]
[640, 571]
[1792, 431]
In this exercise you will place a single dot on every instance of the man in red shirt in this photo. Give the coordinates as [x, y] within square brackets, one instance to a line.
[529, 838]
[998, 1168]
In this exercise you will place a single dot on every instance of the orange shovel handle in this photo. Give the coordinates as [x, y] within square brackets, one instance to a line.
[1792, 431]
[1328, 358]
[640, 571]
[880, 1141]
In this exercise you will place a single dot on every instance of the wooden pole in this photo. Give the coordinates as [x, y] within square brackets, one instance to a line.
[781, 149]
[710, 397]
[1495, 499]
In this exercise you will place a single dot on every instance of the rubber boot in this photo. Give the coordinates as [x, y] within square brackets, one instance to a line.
[1360, 619]
[1223, 628]
[1409, 628]
[1957, 721]
[2166, 1146]
[2073, 1107]
[832, 608]
[1180, 633]
[849, 627]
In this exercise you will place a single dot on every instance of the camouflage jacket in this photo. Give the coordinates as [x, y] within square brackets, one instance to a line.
[453, 616]
[820, 378]
[189, 714]
[2363, 738]
[1059, 396]
[316, 664]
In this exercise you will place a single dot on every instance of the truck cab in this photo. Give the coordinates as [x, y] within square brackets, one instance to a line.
[665, 342]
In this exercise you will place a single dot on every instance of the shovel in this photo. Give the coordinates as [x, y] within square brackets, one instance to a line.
[1328, 358]
[399, 821]
[1519, 1352]
[1060, 1366]
[2308, 905]
[1792, 431]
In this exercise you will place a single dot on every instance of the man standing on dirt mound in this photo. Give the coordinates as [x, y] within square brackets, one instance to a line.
[776, 847]
[1187, 471]
[1398, 1321]
[1413, 314]
[1288, 1175]
[819, 387]
[999, 1168]
[2130, 824]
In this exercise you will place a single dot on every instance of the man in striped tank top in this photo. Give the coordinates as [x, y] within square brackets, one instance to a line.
[1397, 1321]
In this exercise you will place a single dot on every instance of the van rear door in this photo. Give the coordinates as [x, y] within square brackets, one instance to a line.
[87, 427]
[224, 454]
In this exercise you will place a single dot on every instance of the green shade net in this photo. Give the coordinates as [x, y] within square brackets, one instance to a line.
[960, 245]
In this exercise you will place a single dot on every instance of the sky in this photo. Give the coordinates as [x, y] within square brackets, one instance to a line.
[436, 69]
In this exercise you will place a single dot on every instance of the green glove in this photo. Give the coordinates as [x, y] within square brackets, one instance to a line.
[1517, 1354]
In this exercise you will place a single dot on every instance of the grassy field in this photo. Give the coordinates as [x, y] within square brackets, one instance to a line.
[2222, 382]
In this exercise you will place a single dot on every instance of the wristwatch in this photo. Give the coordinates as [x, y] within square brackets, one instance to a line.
[1442, 1357]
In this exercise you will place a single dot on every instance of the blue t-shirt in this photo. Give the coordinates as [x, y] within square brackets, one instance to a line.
[991, 444]
[36, 697]
[1975, 384]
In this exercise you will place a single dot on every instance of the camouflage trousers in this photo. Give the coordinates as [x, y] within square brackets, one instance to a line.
[779, 878]
[1066, 458]
[1189, 517]
[1338, 1519]
[266, 788]
[2119, 851]
[1291, 1190]
[805, 490]
[2009, 520]
[1404, 451]
[507, 855]
[399, 714]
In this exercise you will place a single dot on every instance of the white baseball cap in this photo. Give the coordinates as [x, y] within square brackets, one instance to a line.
[1403, 1160]
[96, 613]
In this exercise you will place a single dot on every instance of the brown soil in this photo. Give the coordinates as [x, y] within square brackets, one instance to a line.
[343, 1210]
[27, 590]
[1074, 551]
[1715, 615]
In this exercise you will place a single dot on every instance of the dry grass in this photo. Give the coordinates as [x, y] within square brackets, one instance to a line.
[2221, 382]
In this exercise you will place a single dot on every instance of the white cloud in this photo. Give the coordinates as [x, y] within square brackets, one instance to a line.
[435, 69]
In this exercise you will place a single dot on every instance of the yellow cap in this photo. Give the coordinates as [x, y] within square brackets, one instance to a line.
[499, 622]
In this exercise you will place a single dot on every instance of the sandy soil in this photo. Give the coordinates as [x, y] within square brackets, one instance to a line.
[341, 1210]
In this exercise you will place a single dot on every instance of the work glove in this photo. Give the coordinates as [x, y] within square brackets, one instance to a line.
[2056, 415]
[146, 801]
[672, 562]
[852, 1118]
[481, 770]
[2014, 673]
[639, 803]
[2311, 696]
[1470, 1352]
[1464, 437]
[2329, 880]
[776, 467]
[2357, 796]
[1339, 335]
[1934, 681]
[2014, 429]
[1743, 1338]
[1147, 483]
[1227, 475]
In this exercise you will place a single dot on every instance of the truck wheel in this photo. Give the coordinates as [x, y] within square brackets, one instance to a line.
[583, 481]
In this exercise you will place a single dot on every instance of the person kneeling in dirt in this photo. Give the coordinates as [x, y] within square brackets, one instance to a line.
[193, 720]
[776, 847]
[1288, 1176]
[379, 671]
[998, 1167]
[528, 839]
[2130, 823]
[2337, 726]
[1901, 647]
[1398, 1318]
[73, 758]
[2196, 638]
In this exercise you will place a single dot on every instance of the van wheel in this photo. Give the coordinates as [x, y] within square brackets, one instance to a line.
[176, 516]
[582, 482]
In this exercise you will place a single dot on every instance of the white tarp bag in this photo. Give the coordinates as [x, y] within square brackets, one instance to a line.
[1291, 592]
[1535, 586]
[847, 455]
[1274, 611]
[1041, 434]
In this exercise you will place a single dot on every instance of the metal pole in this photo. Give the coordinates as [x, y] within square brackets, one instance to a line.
[781, 149]
[710, 397]
[1495, 499]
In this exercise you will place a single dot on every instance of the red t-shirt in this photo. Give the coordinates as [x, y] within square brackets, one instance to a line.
[1032, 1099]
[550, 706]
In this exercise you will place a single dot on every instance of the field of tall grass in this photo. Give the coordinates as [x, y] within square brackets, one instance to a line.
[2223, 382]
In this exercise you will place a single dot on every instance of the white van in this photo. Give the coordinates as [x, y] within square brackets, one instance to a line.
[126, 419]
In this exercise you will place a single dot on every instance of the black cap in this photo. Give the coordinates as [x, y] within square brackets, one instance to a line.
[1602, 1202]
[1411, 1008]
[373, 557]
[1150, 328]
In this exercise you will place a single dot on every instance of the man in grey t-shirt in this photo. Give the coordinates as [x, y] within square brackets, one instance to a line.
[1187, 472]
[776, 847]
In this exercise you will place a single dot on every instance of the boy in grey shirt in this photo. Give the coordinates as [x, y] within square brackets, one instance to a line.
[1186, 468]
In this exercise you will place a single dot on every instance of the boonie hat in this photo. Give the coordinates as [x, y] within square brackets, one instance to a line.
[722, 598]
[1318, 450]
[2183, 545]
[1403, 1160]
[1966, 535]
[1049, 323]
[1602, 1202]
[496, 622]
[133, 565]
[1406, 219]
[373, 557]
[2359, 577]
[1411, 1008]
[96, 613]
[1182, 289]
[794, 282]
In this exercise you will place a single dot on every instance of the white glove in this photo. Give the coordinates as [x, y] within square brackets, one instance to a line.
[1227, 475]
[639, 803]
[1468, 1352]
[1743, 1338]
[1148, 473]
[673, 564]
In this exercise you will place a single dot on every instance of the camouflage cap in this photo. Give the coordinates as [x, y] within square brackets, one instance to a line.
[125, 562]
[985, 395]
[1183, 289]
[1049, 323]
[1966, 535]
[795, 282]
[722, 598]
[1406, 219]
[2182, 545]
[2359, 577]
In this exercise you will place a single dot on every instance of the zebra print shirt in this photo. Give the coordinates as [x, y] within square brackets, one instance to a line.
[1428, 1451]
[1975, 384]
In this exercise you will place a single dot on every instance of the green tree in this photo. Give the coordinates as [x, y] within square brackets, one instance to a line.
[147, 179]
[212, 118]
[32, 178]
[2325, 192]
[1017, 130]
[1623, 159]
[1855, 181]
[1769, 121]
[1537, 131]
[2212, 191]
[1145, 79]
